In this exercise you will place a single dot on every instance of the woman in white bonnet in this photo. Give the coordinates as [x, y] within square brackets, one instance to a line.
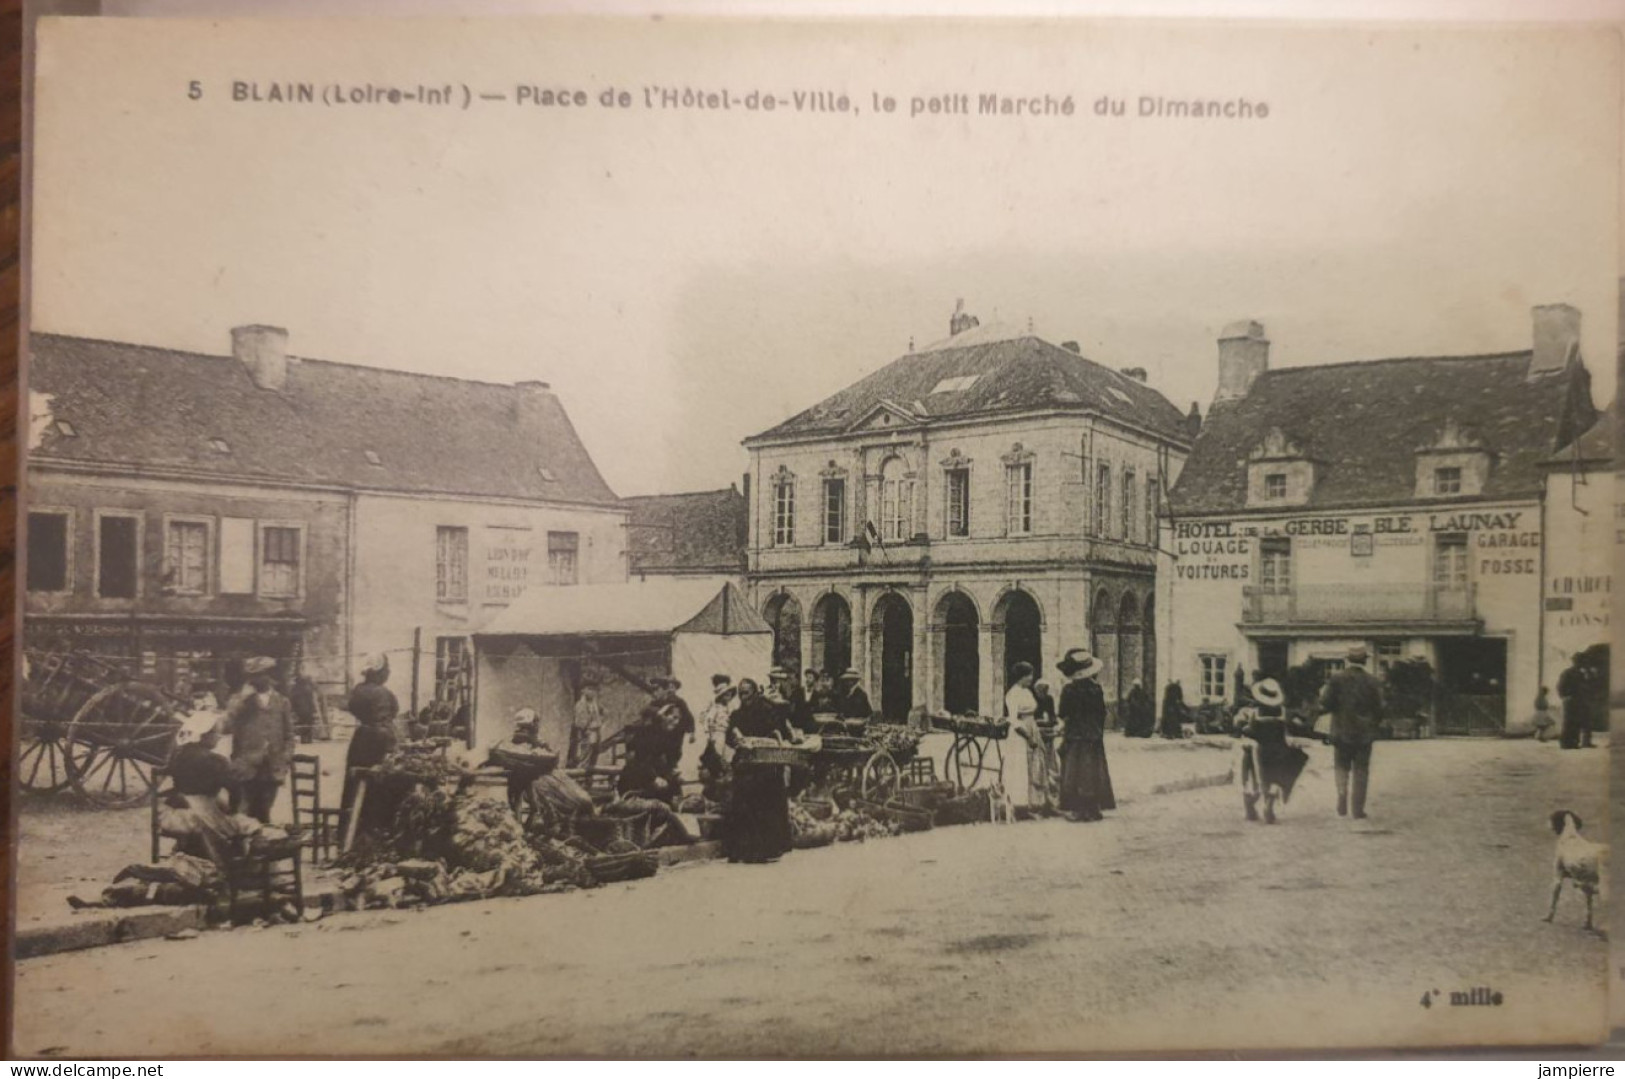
[199, 810]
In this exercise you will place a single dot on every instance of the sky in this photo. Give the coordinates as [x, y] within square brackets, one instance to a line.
[686, 278]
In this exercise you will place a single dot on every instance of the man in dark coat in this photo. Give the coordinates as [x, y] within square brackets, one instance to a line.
[1574, 691]
[851, 700]
[261, 726]
[662, 705]
[1354, 699]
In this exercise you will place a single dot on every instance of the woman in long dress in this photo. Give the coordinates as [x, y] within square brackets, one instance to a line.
[757, 825]
[1086, 784]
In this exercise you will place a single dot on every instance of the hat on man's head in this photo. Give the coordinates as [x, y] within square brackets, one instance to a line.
[1268, 691]
[1358, 654]
[1080, 661]
[378, 661]
[258, 665]
[851, 675]
[778, 672]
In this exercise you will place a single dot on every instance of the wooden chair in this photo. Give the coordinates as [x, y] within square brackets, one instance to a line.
[320, 824]
[265, 879]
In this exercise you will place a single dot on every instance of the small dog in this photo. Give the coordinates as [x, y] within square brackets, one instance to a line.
[1001, 810]
[1579, 861]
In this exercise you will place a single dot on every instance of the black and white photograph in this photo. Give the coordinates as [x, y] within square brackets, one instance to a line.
[677, 537]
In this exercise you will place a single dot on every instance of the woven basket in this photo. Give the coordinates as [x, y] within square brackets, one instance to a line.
[768, 756]
[611, 868]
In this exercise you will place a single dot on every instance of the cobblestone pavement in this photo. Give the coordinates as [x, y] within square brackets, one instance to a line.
[1173, 925]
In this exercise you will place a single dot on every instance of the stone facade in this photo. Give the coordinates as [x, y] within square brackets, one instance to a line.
[932, 553]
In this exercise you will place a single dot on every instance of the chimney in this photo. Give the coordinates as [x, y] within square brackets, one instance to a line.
[264, 351]
[1244, 354]
[1193, 421]
[1136, 373]
[1072, 346]
[1557, 338]
[961, 320]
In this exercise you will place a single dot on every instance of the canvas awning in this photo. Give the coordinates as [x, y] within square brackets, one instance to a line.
[639, 607]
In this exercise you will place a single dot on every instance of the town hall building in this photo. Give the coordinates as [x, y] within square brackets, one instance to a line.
[989, 499]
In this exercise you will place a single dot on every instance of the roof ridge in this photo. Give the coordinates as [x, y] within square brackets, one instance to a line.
[226, 358]
[685, 494]
[1469, 357]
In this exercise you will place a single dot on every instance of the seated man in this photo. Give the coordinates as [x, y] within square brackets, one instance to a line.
[648, 783]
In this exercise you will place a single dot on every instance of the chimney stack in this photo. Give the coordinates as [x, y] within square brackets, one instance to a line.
[1557, 338]
[1244, 354]
[1136, 373]
[1072, 346]
[1193, 420]
[961, 320]
[264, 351]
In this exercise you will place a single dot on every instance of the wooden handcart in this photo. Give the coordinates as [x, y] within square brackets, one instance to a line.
[976, 757]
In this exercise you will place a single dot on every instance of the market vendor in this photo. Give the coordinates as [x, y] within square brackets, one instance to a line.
[851, 701]
[263, 735]
[664, 701]
[374, 708]
[724, 699]
[199, 810]
[757, 826]
[653, 750]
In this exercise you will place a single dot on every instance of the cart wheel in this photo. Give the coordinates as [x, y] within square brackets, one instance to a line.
[42, 758]
[964, 763]
[116, 740]
[881, 777]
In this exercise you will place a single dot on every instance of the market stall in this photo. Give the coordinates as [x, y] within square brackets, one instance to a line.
[538, 652]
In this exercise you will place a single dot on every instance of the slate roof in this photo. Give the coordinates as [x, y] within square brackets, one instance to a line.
[160, 408]
[1594, 448]
[693, 532]
[1363, 422]
[1016, 373]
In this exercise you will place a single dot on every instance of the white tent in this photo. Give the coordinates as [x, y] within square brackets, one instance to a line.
[535, 652]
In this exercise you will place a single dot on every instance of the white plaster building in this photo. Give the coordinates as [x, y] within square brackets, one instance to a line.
[1407, 505]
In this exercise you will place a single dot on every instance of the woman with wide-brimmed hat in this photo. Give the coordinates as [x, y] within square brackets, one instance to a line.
[1269, 765]
[1086, 784]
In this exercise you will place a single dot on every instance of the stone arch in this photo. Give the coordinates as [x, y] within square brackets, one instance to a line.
[1127, 647]
[782, 612]
[956, 626]
[831, 624]
[1103, 642]
[1018, 634]
[891, 655]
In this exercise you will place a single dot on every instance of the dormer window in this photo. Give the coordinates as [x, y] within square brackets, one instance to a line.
[1454, 464]
[546, 473]
[219, 445]
[373, 458]
[66, 429]
[1279, 472]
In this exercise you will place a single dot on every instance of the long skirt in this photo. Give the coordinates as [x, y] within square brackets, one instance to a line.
[757, 828]
[204, 828]
[1086, 784]
[369, 745]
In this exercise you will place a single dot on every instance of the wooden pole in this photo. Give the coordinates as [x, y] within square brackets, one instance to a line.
[417, 651]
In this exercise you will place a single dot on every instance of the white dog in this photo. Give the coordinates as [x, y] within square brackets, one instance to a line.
[1579, 861]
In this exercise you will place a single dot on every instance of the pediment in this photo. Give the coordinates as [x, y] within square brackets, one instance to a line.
[885, 416]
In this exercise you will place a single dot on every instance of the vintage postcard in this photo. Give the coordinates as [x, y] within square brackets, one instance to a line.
[756, 538]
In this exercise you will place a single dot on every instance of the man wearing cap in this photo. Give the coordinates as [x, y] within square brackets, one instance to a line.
[374, 707]
[1354, 699]
[851, 701]
[262, 733]
[786, 691]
